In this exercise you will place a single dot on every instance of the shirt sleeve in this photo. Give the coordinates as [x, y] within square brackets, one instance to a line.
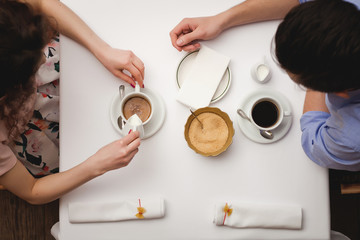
[7, 159]
[323, 146]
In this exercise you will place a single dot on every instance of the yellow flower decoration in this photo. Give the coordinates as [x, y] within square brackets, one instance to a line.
[227, 210]
[141, 212]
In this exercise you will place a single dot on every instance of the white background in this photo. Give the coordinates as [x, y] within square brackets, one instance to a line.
[165, 166]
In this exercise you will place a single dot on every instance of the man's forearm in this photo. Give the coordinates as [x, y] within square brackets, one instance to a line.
[257, 10]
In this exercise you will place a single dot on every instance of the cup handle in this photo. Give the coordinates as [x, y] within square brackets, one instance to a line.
[287, 113]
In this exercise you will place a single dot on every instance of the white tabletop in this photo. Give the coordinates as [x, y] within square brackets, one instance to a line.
[165, 166]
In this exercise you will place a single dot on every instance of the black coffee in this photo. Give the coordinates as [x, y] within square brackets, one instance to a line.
[265, 114]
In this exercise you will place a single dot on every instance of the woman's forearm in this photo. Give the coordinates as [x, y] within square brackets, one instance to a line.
[54, 186]
[70, 24]
[112, 156]
[19, 181]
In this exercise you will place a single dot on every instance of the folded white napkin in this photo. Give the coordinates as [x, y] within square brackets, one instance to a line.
[258, 215]
[203, 79]
[82, 212]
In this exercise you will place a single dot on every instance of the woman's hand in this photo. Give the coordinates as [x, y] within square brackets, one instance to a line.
[70, 25]
[189, 31]
[117, 61]
[115, 155]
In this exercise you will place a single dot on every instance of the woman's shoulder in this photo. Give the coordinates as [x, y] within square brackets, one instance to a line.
[3, 131]
[7, 157]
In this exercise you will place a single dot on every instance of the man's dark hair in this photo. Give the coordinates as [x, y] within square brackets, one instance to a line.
[319, 42]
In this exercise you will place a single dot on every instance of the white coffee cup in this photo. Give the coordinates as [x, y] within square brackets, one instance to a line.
[136, 102]
[267, 113]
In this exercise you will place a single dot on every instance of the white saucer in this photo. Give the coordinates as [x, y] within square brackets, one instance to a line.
[252, 132]
[157, 119]
[183, 70]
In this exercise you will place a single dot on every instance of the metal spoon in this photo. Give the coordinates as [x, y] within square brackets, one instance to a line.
[201, 125]
[121, 93]
[265, 133]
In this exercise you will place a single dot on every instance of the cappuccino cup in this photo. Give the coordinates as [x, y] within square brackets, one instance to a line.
[138, 103]
[266, 113]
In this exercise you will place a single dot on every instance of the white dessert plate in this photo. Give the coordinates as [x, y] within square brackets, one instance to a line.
[184, 68]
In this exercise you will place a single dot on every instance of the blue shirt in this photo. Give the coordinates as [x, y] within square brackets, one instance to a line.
[332, 139]
[355, 2]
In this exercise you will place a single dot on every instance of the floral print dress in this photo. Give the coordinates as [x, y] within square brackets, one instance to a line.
[38, 146]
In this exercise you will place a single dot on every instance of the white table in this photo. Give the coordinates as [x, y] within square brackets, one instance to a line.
[165, 166]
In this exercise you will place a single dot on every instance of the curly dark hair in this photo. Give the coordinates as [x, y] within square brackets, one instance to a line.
[23, 35]
[319, 42]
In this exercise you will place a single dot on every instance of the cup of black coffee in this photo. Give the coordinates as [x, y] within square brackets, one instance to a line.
[138, 103]
[266, 113]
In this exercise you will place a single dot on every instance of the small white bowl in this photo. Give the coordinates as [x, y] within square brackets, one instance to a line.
[261, 72]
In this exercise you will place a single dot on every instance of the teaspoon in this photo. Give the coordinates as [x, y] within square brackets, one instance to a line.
[201, 125]
[121, 93]
[265, 133]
